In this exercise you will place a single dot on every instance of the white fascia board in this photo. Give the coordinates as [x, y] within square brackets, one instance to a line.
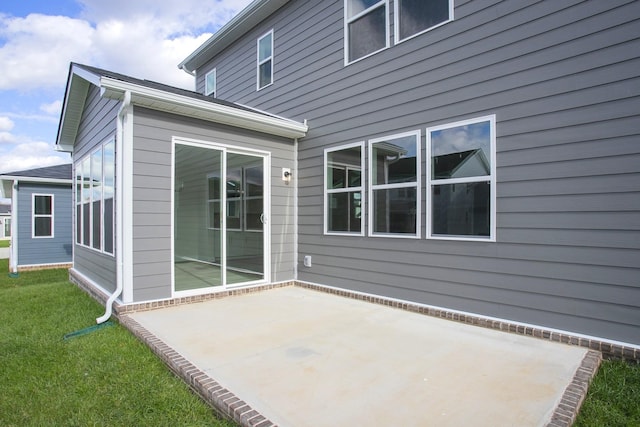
[35, 179]
[178, 104]
[240, 24]
[70, 117]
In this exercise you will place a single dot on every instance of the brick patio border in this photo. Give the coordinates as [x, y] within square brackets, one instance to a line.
[229, 405]
[223, 401]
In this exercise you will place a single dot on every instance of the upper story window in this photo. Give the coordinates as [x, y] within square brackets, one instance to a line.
[265, 60]
[461, 189]
[210, 83]
[344, 189]
[366, 28]
[42, 215]
[394, 191]
[413, 17]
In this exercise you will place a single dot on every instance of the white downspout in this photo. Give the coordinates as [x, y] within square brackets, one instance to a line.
[118, 209]
[13, 256]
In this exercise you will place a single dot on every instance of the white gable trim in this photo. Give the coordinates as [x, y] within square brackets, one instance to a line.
[179, 104]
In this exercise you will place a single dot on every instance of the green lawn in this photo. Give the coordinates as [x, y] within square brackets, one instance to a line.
[4, 243]
[109, 378]
[105, 378]
[614, 397]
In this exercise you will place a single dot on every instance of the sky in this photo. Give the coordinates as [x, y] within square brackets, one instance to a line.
[39, 38]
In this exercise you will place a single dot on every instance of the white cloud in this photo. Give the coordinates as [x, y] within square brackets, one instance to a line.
[38, 49]
[29, 155]
[144, 38]
[6, 124]
[52, 108]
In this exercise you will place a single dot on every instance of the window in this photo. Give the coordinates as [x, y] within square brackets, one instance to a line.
[95, 178]
[210, 83]
[42, 208]
[394, 191]
[366, 28]
[265, 60]
[461, 184]
[413, 17]
[344, 189]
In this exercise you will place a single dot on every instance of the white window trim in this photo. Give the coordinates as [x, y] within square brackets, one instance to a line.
[81, 202]
[215, 83]
[34, 215]
[491, 179]
[416, 185]
[360, 188]
[259, 63]
[396, 23]
[348, 20]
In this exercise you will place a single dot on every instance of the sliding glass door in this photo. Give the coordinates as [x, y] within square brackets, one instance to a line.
[219, 218]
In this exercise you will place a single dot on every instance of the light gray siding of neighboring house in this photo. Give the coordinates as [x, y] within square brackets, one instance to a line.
[152, 234]
[562, 78]
[98, 124]
[44, 250]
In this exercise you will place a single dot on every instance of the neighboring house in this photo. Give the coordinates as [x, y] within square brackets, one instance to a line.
[5, 222]
[480, 157]
[41, 217]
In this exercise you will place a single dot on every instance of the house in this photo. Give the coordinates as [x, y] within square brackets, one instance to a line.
[479, 158]
[41, 217]
[5, 222]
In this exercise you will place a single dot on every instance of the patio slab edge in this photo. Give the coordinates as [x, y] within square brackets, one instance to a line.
[222, 400]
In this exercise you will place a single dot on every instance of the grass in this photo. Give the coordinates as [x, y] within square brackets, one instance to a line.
[613, 398]
[109, 378]
[4, 243]
[105, 378]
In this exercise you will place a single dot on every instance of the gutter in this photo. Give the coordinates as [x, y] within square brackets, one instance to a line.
[13, 255]
[126, 103]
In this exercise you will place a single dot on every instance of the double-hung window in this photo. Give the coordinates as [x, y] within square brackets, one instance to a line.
[265, 60]
[210, 83]
[461, 189]
[366, 28]
[344, 189]
[42, 208]
[394, 190]
[413, 17]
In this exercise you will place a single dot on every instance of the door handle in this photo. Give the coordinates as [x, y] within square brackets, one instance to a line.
[262, 217]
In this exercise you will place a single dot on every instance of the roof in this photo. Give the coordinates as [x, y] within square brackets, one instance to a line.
[446, 165]
[50, 173]
[244, 21]
[160, 97]
[59, 174]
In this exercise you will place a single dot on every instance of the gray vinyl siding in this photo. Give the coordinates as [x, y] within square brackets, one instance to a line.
[152, 233]
[562, 78]
[44, 250]
[97, 125]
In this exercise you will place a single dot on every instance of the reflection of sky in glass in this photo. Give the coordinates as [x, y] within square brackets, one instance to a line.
[264, 49]
[462, 138]
[357, 6]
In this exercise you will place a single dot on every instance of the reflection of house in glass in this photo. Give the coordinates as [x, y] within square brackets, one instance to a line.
[345, 172]
[461, 208]
[395, 208]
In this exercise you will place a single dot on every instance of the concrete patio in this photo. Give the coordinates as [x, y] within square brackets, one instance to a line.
[292, 356]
